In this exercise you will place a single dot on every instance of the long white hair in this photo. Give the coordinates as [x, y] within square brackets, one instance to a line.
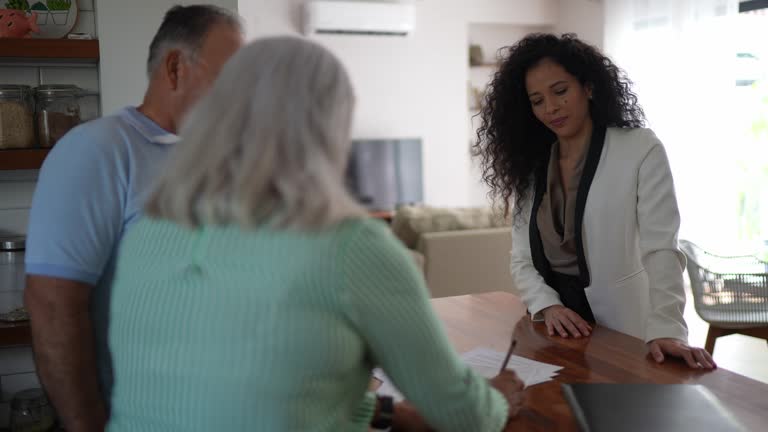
[269, 142]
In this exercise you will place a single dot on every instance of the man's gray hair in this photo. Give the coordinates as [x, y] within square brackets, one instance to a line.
[268, 143]
[185, 28]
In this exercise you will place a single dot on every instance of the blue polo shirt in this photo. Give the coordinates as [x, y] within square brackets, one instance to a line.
[91, 188]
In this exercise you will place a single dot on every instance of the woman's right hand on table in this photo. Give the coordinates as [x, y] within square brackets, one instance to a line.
[512, 388]
[564, 321]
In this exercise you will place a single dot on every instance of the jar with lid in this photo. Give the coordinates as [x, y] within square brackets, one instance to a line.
[11, 272]
[31, 412]
[17, 129]
[58, 111]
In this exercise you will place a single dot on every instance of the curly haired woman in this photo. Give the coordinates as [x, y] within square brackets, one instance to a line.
[596, 218]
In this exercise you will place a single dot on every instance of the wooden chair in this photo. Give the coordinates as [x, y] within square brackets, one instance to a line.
[729, 292]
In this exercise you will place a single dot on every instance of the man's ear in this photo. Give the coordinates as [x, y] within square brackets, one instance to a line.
[171, 67]
[589, 88]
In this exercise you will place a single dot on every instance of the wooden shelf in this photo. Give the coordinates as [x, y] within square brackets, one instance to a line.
[15, 334]
[22, 159]
[46, 50]
[50, 49]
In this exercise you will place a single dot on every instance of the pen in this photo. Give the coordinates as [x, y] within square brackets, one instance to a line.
[509, 354]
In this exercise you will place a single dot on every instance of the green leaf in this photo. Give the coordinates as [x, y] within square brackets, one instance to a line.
[39, 6]
[17, 4]
[59, 5]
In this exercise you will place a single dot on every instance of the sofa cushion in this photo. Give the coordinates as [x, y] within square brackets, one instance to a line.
[410, 222]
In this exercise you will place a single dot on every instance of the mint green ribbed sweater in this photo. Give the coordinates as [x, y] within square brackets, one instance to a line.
[223, 329]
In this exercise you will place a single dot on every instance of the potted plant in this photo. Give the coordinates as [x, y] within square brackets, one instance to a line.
[42, 12]
[59, 10]
[22, 5]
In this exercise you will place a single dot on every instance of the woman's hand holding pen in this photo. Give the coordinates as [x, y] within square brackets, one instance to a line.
[511, 387]
[508, 383]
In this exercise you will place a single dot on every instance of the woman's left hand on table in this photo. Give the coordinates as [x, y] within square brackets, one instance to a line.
[696, 358]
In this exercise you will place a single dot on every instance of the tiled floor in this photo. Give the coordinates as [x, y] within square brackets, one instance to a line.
[744, 355]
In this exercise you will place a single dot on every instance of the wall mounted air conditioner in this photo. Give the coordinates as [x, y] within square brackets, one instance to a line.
[358, 18]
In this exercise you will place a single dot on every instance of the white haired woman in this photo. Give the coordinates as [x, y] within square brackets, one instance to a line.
[257, 295]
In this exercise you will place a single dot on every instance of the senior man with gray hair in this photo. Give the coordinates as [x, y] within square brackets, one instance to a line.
[92, 188]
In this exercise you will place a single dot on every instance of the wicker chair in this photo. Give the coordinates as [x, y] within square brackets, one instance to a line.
[729, 292]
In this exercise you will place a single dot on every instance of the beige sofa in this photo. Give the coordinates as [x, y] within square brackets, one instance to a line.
[462, 251]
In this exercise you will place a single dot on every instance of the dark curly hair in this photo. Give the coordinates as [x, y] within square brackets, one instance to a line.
[511, 142]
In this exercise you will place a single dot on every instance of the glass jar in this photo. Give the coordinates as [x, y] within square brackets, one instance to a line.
[58, 111]
[12, 271]
[31, 412]
[89, 106]
[17, 129]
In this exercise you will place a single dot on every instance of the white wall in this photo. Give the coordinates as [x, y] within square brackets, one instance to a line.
[586, 18]
[126, 29]
[414, 86]
[491, 37]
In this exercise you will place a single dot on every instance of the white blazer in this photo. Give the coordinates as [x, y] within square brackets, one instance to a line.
[629, 232]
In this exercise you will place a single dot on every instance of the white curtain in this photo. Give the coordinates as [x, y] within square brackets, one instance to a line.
[681, 54]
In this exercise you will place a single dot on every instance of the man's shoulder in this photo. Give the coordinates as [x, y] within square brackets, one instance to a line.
[111, 127]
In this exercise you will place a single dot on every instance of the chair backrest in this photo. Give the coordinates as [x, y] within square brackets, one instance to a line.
[727, 289]
[692, 256]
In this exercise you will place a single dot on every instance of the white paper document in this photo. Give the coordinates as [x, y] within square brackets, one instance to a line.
[486, 363]
[387, 386]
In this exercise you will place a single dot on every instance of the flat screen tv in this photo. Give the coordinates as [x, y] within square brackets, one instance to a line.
[385, 173]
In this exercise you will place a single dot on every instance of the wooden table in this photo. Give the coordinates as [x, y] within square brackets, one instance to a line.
[605, 357]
